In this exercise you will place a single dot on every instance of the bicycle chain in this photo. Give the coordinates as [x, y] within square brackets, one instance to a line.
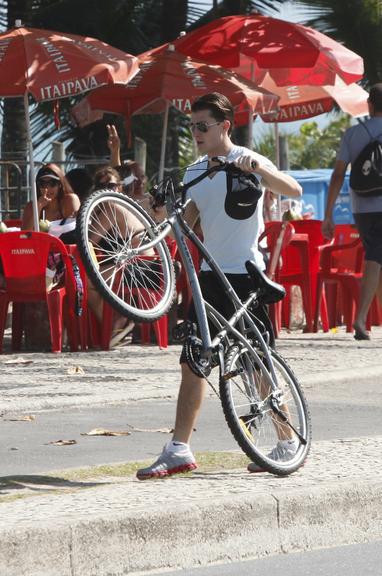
[201, 367]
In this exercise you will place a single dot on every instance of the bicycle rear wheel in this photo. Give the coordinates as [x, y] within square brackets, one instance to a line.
[110, 229]
[258, 417]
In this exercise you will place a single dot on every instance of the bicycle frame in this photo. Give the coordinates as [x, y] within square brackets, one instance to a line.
[203, 310]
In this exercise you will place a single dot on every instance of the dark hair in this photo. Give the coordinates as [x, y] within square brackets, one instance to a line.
[56, 173]
[220, 107]
[81, 182]
[375, 97]
[103, 172]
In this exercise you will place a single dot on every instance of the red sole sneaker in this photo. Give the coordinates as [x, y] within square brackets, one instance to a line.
[171, 472]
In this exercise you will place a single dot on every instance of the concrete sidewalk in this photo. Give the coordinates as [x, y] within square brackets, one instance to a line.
[117, 525]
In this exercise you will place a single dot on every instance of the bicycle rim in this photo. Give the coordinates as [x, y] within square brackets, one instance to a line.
[247, 406]
[110, 228]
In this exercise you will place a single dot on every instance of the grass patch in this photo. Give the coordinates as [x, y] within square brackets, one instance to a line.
[65, 481]
[207, 461]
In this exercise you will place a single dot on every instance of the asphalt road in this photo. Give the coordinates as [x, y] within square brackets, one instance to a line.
[25, 445]
[354, 560]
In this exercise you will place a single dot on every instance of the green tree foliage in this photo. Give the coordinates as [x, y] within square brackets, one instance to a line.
[131, 25]
[313, 147]
[316, 147]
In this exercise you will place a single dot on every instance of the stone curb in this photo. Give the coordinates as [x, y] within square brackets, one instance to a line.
[131, 527]
[231, 529]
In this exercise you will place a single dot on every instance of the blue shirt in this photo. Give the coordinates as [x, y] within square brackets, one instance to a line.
[353, 142]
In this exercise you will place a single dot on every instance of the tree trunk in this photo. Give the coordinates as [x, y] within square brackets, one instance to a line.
[13, 139]
[174, 19]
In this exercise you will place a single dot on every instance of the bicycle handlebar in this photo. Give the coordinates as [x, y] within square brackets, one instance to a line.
[159, 192]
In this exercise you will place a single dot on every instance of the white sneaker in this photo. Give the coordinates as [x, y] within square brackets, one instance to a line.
[168, 463]
[283, 451]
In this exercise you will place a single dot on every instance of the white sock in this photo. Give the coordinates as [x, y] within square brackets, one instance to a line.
[175, 446]
[289, 443]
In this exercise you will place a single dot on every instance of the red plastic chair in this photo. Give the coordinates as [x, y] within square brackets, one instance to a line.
[160, 326]
[24, 257]
[81, 333]
[341, 267]
[278, 235]
[14, 223]
[302, 262]
[100, 335]
[90, 332]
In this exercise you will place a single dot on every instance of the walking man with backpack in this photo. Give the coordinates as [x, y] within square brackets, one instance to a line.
[361, 146]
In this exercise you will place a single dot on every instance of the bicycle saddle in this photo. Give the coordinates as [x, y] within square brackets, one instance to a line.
[269, 291]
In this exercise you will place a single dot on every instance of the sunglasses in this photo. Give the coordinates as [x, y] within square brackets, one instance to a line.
[48, 183]
[108, 185]
[202, 126]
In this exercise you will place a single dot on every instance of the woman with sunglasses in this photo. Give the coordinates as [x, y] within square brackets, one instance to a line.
[55, 197]
[107, 177]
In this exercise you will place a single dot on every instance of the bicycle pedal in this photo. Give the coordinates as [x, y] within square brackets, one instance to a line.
[232, 374]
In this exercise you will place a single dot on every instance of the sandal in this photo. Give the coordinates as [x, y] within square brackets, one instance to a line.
[121, 333]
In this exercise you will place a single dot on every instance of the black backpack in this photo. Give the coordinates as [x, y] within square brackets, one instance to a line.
[366, 170]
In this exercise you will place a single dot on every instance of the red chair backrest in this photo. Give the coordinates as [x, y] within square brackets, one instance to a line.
[349, 259]
[316, 239]
[24, 257]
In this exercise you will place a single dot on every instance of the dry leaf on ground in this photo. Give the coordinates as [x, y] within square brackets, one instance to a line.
[62, 442]
[75, 370]
[19, 360]
[162, 430]
[25, 418]
[103, 432]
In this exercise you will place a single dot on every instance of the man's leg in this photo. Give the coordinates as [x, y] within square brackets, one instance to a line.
[176, 455]
[191, 393]
[369, 285]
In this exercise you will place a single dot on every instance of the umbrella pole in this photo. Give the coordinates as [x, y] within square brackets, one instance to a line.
[250, 128]
[277, 147]
[163, 144]
[31, 164]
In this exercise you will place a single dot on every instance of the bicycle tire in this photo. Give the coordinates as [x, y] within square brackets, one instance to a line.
[251, 422]
[109, 227]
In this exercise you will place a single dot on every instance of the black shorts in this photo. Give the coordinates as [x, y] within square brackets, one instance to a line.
[214, 294]
[369, 225]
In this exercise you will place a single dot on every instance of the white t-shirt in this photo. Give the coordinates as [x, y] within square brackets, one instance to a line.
[230, 241]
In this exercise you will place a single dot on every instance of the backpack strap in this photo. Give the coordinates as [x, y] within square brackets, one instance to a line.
[368, 131]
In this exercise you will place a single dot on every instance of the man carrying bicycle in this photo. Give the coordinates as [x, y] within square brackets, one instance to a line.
[231, 230]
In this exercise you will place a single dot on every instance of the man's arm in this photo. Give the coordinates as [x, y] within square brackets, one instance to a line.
[335, 186]
[275, 180]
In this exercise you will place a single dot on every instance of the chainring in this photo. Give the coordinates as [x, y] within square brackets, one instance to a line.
[193, 351]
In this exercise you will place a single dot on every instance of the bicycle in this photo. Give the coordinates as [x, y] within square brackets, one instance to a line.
[126, 256]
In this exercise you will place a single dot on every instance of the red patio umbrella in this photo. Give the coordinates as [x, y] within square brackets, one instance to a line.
[291, 53]
[168, 78]
[51, 65]
[300, 102]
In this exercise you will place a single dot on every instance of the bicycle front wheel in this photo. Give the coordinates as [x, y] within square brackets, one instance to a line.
[262, 418]
[111, 228]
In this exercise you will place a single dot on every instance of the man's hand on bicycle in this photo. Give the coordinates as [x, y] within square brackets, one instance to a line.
[247, 163]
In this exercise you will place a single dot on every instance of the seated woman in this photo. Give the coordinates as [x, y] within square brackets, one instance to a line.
[55, 197]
